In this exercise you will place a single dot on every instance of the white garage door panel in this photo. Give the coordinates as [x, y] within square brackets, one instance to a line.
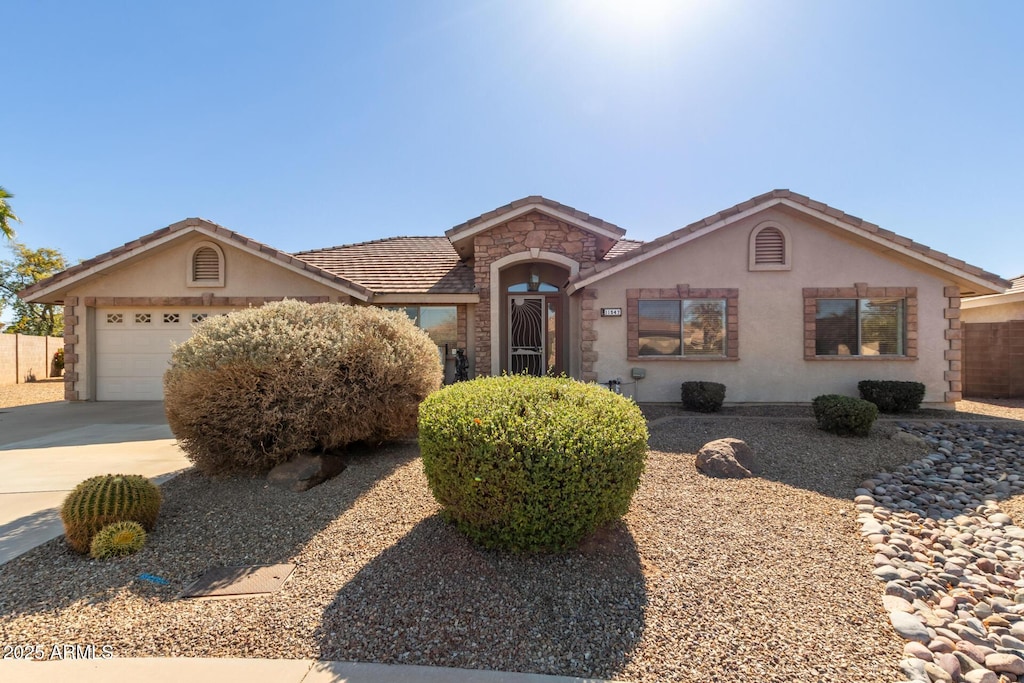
[133, 348]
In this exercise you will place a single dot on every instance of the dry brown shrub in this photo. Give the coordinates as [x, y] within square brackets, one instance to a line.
[252, 389]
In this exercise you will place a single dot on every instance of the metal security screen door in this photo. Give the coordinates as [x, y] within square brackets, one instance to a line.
[526, 325]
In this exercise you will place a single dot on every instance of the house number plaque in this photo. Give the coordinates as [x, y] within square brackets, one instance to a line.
[611, 312]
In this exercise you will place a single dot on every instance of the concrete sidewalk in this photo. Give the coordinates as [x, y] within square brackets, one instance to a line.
[47, 449]
[172, 670]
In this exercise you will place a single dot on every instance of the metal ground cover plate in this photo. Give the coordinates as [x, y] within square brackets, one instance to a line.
[239, 582]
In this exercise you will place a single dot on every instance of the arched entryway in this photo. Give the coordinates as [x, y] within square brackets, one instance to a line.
[534, 329]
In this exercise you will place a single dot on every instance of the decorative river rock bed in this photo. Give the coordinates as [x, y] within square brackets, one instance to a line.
[951, 559]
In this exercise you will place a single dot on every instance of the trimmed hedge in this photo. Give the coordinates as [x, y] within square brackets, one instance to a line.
[254, 388]
[844, 415]
[892, 396]
[531, 463]
[704, 397]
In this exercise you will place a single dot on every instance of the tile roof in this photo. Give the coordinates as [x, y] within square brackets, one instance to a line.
[191, 224]
[400, 265]
[408, 265]
[1016, 285]
[850, 221]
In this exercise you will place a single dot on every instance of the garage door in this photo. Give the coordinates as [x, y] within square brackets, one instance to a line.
[133, 347]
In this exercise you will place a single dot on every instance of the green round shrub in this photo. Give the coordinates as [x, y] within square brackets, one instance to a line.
[844, 415]
[105, 499]
[117, 540]
[704, 397]
[531, 463]
[254, 388]
[892, 396]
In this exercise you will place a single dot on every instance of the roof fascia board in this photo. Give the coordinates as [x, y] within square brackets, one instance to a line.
[992, 300]
[688, 237]
[361, 296]
[831, 220]
[109, 263]
[171, 236]
[437, 299]
[525, 209]
[893, 246]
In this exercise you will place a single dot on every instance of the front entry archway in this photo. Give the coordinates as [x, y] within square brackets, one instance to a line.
[534, 329]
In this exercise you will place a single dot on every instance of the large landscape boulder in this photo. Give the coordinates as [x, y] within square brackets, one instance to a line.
[730, 458]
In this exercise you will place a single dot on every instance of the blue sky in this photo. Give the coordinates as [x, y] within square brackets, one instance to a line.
[309, 124]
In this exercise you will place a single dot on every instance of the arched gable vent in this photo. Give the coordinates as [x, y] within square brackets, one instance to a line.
[769, 248]
[206, 266]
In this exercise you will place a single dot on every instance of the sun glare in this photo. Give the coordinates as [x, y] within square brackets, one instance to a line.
[633, 20]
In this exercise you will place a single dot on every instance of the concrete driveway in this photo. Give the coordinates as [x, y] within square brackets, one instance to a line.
[47, 449]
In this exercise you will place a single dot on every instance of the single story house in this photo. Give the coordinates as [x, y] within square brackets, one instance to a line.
[994, 343]
[780, 297]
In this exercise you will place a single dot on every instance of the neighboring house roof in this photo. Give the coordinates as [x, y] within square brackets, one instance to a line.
[985, 281]
[1013, 294]
[423, 265]
[89, 267]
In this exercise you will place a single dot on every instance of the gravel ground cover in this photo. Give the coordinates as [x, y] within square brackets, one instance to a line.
[42, 391]
[980, 409]
[720, 580]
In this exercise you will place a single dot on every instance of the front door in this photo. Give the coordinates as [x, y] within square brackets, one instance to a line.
[527, 328]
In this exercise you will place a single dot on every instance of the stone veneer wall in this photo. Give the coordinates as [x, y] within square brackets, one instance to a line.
[523, 234]
[74, 311]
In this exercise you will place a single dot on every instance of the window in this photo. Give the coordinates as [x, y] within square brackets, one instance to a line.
[439, 322]
[143, 318]
[206, 266]
[682, 327]
[860, 327]
[198, 318]
[115, 318]
[171, 318]
[769, 247]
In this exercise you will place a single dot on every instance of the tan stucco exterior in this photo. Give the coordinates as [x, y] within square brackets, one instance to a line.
[770, 306]
[771, 365]
[158, 280]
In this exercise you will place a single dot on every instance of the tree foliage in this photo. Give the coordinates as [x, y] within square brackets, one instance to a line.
[6, 215]
[26, 268]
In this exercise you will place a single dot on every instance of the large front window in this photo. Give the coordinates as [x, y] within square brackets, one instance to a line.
[860, 327]
[682, 327]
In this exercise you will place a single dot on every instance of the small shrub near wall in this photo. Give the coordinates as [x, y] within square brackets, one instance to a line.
[844, 415]
[704, 397]
[531, 463]
[254, 388]
[891, 396]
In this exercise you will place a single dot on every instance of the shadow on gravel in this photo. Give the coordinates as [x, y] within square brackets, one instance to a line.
[434, 599]
[204, 522]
